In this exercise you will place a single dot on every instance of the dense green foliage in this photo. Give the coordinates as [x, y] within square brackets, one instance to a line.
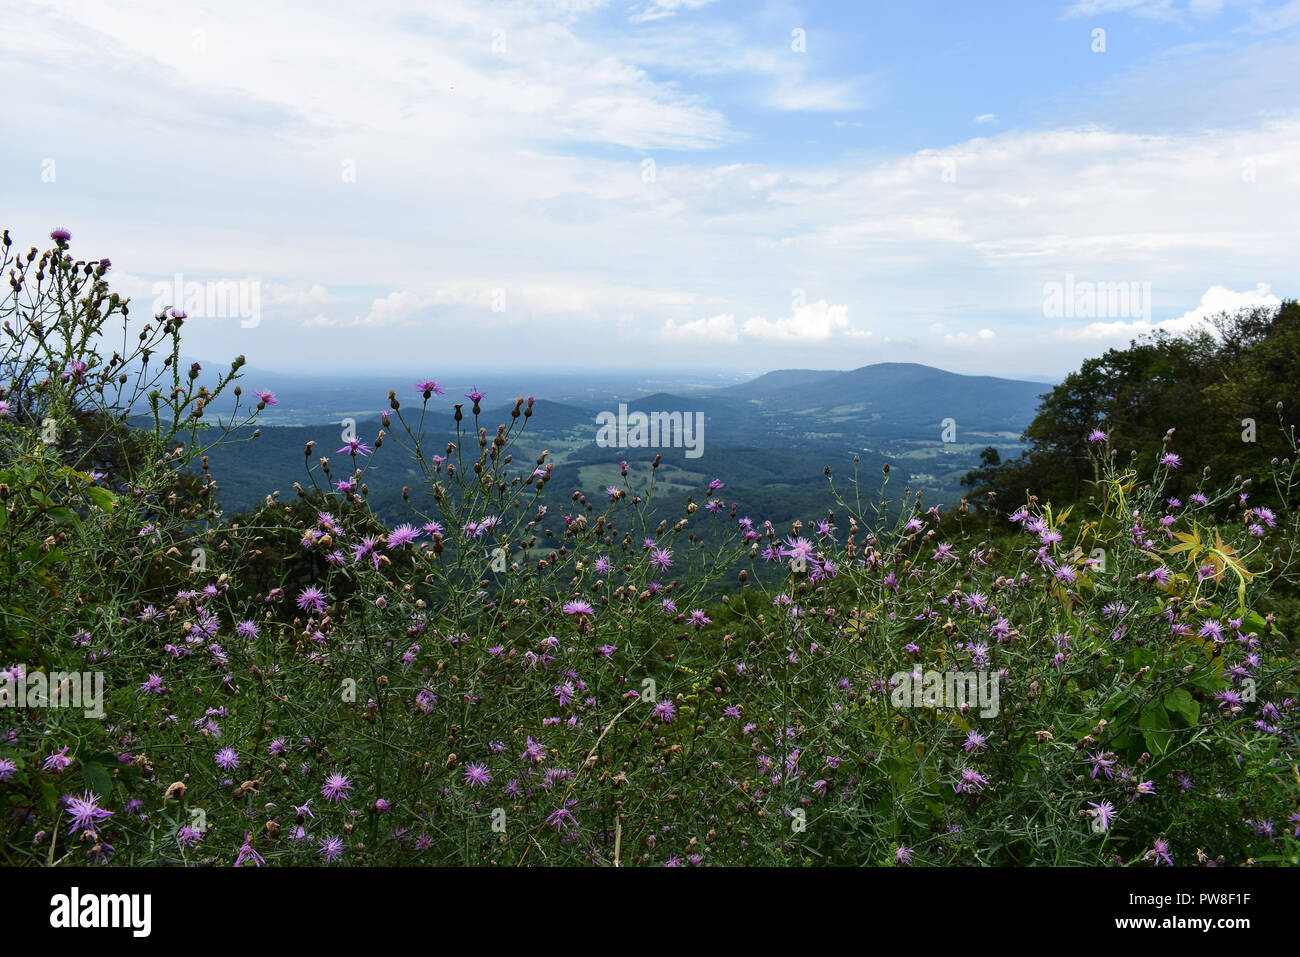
[517, 674]
[1220, 391]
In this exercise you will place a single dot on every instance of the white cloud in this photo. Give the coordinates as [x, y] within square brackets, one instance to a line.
[1216, 300]
[394, 309]
[963, 338]
[720, 328]
[658, 9]
[1148, 9]
[812, 322]
[985, 118]
[522, 171]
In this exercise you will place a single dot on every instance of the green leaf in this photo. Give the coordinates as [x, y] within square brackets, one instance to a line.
[97, 777]
[1155, 730]
[101, 498]
[62, 515]
[1184, 705]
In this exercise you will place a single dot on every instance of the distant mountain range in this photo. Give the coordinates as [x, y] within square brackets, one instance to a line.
[768, 438]
[886, 400]
[899, 392]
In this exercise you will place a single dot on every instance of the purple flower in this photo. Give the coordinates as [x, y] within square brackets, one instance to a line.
[1100, 763]
[429, 388]
[1160, 852]
[153, 685]
[1211, 629]
[799, 549]
[57, 761]
[331, 848]
[402, 535]
[366, 549]
[313, 598]
[577, 608]
[355, 447]
[85, 811]
[60, 235]
[562, 817]
[266, 397]
[1096, 435]
[477, 775]
[971, 780]
[475, 396]
[1171, 460]
[246, 853]
[904, 854]
[1103, 814]
[336, 788]
[227, 759]
[534, 753]
[665, 711]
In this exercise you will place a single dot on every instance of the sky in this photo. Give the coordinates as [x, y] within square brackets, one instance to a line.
[663, 184]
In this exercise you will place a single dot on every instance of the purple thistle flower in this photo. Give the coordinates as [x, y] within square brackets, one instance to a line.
[971, 780]
[355, 447]
[246, 853]
[1103, 814]
[153, 685]
[336, 788]
[85, 811]
[1100, 763]
[402, 535]
[57, 761]
[1160, 851]
[331, 848]
[313, 598]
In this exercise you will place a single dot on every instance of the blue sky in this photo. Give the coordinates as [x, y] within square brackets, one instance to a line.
[664, 184]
